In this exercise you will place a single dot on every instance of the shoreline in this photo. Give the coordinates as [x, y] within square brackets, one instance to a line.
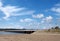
[30, 37]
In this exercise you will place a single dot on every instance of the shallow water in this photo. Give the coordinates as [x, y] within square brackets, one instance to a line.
[1, 33]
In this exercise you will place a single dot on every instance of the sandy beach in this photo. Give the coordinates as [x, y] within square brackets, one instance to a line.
[31, 37]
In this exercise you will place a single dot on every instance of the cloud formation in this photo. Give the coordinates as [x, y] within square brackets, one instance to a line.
[38, 16]
[26, 20]
[47, 19]
[10, 10]
[56, 9]
[14, 11]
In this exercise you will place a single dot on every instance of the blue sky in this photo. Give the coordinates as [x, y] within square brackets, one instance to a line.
[29, 14]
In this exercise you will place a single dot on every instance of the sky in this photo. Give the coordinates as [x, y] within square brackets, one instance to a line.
[29, 14]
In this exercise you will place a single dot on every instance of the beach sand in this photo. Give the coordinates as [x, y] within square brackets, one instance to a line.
[31, 37]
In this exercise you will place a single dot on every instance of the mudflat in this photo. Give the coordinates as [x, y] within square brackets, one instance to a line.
[31, 37]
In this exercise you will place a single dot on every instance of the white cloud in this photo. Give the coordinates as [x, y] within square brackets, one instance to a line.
[57, 9]
[13, 27]
[26, 20]
[1, 4]
[47, 19]
[38, 16]
[10, 10]
[29, 12]
[14, 11]
[19, 27]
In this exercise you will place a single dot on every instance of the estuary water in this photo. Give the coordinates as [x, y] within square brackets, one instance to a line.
[3, 33]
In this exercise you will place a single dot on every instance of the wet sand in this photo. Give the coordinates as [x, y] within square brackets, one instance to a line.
[31, 37]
